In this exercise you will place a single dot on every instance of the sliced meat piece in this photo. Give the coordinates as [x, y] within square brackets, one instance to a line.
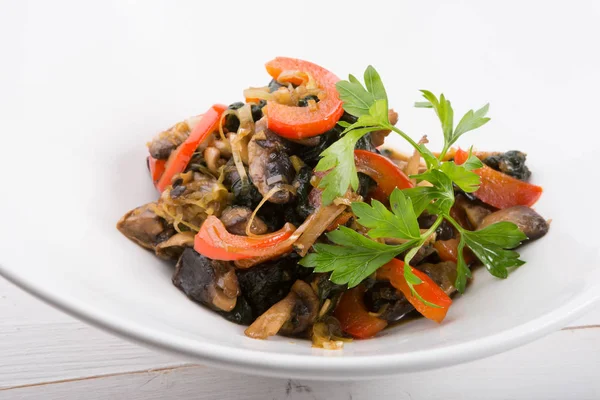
[209, 282]
[144, 227]
[533, 225]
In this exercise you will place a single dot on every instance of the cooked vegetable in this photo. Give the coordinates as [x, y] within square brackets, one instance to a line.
[236, 220]
[304, 312]
[354, 317]
[302, 122]
[143, 226]
[215, 242]
[172, 248]
[192, 197]
[209, 282]
[156, 167]
[528, 221]
[500, 190]
[269, 282]
[165, 142]
[179, 158]
[381, 169]
[270, 164]
[269, 323]
[432, 302]
[379, 237]
[511, 163]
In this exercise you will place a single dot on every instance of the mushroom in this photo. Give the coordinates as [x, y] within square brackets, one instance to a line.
[443, 274]
[474, 210]
[269, 323]
[236, 218]
[294, 314]
[305, 310]
[144, 227]
[530, 222]
[269, 163]
[165, 142]
[175, 245]
[209, 282]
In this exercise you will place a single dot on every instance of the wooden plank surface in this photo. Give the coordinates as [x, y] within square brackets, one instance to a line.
[44, 351]
[563, 365]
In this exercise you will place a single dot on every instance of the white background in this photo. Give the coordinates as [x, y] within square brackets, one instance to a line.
[45, 354]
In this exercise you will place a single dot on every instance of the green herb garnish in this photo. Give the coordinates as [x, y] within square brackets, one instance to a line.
[353, 257]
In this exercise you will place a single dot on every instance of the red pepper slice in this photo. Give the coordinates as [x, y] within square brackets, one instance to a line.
[500, 190]
[215, 242]
[382, 170]
[180, 157]
[354, 317]
[428, 290]
[300, 122]
[157, 168]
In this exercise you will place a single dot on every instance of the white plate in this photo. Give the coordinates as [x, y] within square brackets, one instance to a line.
[86, 85]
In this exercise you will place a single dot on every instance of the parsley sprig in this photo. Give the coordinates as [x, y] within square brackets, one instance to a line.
[352, 257]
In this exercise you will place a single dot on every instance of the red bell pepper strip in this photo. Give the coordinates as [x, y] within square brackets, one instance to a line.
[382, 170]
[215, 242]
[180, 157]
[157, 168]
[500, 190]
[428, 290]
[301, 122]
[354, 317]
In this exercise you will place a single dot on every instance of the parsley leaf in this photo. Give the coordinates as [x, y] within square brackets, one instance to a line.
[401, 223]
[358, 99]
[491, 246]
[441, 193]
[443, 108]
[338, 159]
[472, 120]
[462, 270]
[465, 179]
[353, 258]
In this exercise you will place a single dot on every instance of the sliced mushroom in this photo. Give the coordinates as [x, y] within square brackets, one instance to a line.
[292, 315]
[165, 142]
[173, 247]
[443, 274]
[533, 225]
[143, 226]
[209, 282]
[269, 323]
[474, 210]
[236, 218]
[269, 163]
[305, 311]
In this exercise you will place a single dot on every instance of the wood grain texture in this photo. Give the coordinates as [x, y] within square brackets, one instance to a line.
[537, 371]
[40, 345]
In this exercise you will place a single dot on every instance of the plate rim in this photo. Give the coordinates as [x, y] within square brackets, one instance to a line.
[256, 362]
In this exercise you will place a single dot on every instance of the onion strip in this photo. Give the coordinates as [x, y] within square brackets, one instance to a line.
[265, 198]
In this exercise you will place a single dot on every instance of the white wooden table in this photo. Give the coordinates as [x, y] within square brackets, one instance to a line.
[45, 354]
